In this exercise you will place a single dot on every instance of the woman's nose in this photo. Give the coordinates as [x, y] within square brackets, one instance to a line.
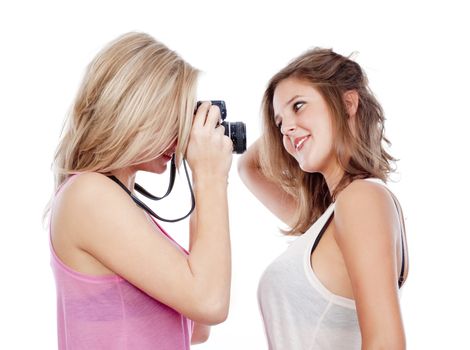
[287, 128]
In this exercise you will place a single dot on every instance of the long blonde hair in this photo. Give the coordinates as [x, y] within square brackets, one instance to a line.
[360, 152]
[137, 97]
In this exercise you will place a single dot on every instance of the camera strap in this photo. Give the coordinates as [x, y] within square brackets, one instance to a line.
[147, 194]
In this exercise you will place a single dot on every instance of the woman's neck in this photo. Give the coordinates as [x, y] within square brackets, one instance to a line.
[332, 177]
[126, 176]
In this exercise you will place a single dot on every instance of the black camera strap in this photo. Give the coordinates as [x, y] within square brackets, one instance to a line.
[147, 194]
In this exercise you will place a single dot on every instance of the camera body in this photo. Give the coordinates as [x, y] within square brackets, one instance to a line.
[235, 130]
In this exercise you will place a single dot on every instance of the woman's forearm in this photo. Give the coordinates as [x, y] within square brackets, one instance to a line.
[210, 257]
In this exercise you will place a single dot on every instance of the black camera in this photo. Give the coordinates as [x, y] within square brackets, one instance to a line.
[235, 130]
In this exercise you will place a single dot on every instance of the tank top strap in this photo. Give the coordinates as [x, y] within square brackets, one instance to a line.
[323, 223]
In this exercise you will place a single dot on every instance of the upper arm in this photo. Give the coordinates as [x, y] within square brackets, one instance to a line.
[367, 228]
[106, 224]
[273, 197]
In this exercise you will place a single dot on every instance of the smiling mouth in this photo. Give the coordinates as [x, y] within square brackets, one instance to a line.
[299, 142]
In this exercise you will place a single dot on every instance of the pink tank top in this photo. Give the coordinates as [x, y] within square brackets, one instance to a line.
[107, 312]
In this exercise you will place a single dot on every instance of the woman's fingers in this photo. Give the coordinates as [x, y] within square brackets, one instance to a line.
[201, 114]
[213, 117]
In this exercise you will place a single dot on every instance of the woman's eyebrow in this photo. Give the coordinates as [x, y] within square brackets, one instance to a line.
[292, 99]
[286, 104]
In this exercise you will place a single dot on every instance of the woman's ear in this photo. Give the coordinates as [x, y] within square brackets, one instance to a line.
[351, 100]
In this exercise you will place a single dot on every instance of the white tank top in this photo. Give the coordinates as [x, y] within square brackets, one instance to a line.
[298, 311]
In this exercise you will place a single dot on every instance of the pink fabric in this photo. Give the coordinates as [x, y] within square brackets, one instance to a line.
[107, 312]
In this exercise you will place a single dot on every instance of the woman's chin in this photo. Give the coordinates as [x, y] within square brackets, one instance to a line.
[160, 169]
[308, 170]
[305, 166]
[308, 167]
[155, 167]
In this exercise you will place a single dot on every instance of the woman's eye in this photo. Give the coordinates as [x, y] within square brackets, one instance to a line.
[297, 105]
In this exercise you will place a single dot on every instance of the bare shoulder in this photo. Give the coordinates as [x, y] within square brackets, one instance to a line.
[86, 185]
[91, 191]
[87, 202]
[363, 192]
[364, 204]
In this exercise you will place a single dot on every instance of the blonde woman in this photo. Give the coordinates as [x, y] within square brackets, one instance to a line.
[320, 167]
[122, 282]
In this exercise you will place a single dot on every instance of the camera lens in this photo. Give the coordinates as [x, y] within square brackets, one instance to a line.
[237, 133]
[235, 130]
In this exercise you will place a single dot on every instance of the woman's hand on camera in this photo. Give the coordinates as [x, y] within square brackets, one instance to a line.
[209, 151]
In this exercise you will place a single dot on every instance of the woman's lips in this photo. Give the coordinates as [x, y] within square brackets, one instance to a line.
[299, 142]
[167, 157]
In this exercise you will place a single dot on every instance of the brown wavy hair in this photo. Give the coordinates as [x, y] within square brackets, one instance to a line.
[360, 152]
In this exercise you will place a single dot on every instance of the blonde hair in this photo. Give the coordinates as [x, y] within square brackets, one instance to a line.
[360, 152]
[137, 97]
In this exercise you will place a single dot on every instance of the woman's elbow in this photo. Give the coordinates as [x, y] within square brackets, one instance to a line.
[216, 313]
[209, 312]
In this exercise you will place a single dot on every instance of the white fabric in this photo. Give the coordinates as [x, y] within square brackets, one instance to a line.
[298, 311]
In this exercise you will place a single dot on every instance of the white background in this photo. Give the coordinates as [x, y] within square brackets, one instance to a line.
[416, 56]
